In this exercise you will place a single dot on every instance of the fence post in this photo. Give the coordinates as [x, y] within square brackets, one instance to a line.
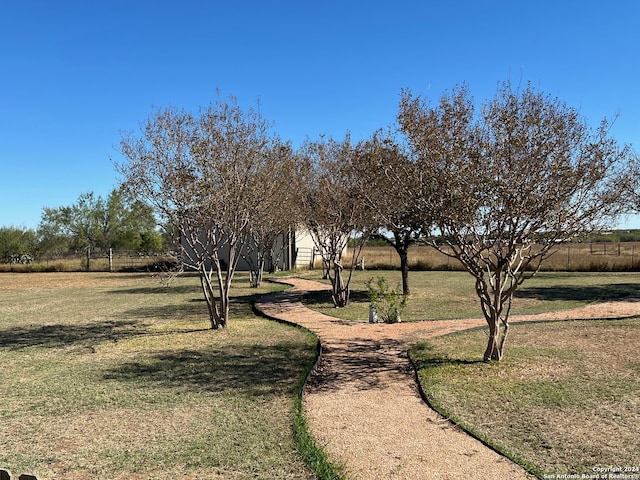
[111, 260]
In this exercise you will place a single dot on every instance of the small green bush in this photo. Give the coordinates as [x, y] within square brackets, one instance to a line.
[388, 302]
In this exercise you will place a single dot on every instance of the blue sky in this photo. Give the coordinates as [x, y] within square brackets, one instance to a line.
[75, 74]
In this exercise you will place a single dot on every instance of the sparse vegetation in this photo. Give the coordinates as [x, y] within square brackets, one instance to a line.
[387, 301]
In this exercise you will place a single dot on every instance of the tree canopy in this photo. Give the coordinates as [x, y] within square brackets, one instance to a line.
[208, 175]
[332, 210]
[119, 222]
[510, 181]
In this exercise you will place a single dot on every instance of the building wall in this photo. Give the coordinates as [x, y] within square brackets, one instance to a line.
[292, 250]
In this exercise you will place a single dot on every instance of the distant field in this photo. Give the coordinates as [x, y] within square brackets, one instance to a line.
[623, 256]
[589, 257]
[116, 376]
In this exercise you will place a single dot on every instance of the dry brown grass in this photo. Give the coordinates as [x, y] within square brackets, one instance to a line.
[116, 376]
[565, 400]
[567, 257]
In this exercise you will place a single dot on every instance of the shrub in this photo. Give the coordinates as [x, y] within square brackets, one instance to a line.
[388, 302]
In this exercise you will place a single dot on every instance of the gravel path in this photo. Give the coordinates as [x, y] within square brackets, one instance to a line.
[363, 406]
[362, 403]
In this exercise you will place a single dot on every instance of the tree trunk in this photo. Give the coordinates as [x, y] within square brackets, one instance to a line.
[255, 274]
[218, 314]
[492, 302]
[496, 341]
[401, 242]
[404, 270]
[340, 292]
[88, 258]
[491, 353]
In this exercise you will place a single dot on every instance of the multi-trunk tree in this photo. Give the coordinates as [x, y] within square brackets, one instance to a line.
[332, 210]
[207, 175]
[272, 219]
[510, 182]
[394, 181]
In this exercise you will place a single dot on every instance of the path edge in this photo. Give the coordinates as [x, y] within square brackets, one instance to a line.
[313, 454]
[455, 423]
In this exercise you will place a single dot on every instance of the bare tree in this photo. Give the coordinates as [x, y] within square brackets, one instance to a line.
[203, 174]
[272, 219]
[393, 184]
[512, 181]
[333, 211]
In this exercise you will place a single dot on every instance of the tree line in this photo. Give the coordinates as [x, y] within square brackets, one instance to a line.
[92, 224]
[495, 186]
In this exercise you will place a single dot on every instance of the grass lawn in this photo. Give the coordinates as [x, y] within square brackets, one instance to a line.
[440, 295]
[115, 376]
[565, 400]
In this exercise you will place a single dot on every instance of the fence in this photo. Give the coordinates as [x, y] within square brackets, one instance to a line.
[112, 261]
[6, 475]
[120, 261]
[623, 256]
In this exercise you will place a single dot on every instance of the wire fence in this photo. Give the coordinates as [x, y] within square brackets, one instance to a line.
[111, 261]
[586, 257]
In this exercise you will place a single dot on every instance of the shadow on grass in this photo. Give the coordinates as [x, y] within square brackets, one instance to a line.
[424, 357]
[252, 370]
[59, 335]
[239, 306]
[617, 291]
[442, 361]
[193, 308]
[324, 297]
[173, 289]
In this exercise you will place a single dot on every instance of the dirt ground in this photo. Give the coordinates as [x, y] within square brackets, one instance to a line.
[363, 405]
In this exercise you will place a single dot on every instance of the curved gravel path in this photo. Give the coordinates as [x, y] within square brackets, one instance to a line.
[362, 403]
[363, 406]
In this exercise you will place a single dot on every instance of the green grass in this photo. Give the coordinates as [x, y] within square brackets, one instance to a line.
[115, 376]
[564, 401]
[447, 295]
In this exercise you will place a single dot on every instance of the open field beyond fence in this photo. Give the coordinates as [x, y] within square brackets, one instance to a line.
[579, 257]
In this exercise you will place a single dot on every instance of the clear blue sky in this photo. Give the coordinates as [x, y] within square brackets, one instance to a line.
[74, 74]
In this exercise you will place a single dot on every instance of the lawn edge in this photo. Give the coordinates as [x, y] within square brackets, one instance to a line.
[460, 425]
[314, 456]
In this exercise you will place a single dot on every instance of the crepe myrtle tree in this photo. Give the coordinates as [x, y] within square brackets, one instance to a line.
[393, 183]
[204, 175]
[332, 210]
[272, 218]
[512, 180]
